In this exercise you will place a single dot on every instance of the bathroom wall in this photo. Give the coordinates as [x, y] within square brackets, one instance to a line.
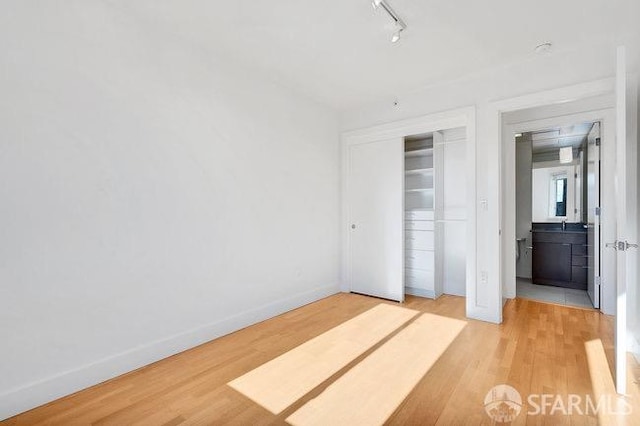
[523, 205]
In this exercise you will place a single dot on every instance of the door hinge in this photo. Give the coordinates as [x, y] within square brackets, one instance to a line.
[575, 175]
[598, 280]
[598, 211]
[597, 141]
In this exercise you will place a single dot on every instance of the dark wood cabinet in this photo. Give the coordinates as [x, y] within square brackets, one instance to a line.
[560, 258]
[551, 261]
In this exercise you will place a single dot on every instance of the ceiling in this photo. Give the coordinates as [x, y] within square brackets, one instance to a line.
[339, 52]
[551, 140]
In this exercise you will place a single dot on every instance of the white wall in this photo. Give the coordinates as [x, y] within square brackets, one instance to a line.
[535, 74]
[153, 197]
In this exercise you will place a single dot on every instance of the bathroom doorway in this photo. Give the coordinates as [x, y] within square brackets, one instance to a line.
[556, 269]
[612, 102]
[557, 214]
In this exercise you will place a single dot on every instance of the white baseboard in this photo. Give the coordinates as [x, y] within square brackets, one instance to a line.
[35, 394]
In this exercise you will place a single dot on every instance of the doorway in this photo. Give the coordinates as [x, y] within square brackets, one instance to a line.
[557, 223]
[619, 218]
[570, 206]
[607, 107]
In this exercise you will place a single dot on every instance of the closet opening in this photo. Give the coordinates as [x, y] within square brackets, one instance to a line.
[409, 209]
[435, 213]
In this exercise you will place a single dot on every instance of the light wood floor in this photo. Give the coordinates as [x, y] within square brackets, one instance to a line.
[540, 348]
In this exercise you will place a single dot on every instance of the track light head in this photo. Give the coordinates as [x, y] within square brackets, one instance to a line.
[396, 36]
[400, 24]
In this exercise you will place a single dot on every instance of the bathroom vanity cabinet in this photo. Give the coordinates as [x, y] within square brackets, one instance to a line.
[560, 257]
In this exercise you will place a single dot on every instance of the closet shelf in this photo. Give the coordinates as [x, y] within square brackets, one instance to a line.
[418, 152]
[419, 190]
[419, 171]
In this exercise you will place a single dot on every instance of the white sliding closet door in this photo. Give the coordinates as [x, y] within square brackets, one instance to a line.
[451, 197]
[375, 185]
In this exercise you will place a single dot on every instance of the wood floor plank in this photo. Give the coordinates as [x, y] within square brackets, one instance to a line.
[370, 392]
[538, 347]
[282, 381]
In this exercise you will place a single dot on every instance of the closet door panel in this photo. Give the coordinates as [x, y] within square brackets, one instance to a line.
[375, 187]
[450, 210]
[454, 194]
[454, 261]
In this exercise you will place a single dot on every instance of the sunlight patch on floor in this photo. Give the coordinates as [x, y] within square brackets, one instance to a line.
[615, 406]
[282, 381]
[371, 391]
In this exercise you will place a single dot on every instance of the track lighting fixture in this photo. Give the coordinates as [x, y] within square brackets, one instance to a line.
[396, 35]
[400, 25]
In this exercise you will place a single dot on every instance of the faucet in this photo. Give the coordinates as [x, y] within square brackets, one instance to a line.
[564, 224]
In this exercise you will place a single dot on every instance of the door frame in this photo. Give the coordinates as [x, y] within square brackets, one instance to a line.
[593, 147]
[496, 149]
[607, 117]
[461, 117]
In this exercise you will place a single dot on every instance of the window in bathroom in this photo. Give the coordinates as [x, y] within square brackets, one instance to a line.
[560, 189]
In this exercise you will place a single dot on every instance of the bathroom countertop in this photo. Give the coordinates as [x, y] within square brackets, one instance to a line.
[570, 227]
[567, 231]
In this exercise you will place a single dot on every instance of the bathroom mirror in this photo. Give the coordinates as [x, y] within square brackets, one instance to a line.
[556, 192]
[557, 161]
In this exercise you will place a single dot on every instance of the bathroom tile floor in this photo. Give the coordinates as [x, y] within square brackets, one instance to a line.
[559, 295]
